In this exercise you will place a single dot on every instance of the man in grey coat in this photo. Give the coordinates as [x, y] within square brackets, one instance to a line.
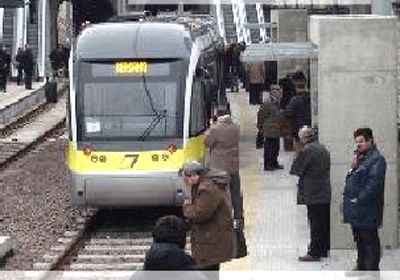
[312, 165]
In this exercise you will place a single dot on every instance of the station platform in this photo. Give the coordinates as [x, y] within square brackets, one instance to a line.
[276, 228]
[15, 93]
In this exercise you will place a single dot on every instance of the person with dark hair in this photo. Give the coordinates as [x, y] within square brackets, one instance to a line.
[312, 166]
[210, 214]
[363, 199]
[167, 251]
[299, 108]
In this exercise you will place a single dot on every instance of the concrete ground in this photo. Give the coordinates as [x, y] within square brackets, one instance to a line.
[276, 228]
[15, 93]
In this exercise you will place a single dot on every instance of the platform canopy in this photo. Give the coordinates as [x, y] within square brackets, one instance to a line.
[279, 51]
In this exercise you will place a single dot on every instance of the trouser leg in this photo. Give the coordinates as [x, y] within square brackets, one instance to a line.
[236, 196]
[317, 231]
[268, 154]
[253, 94]
[358, 239]
[372, 248]
[275, 150]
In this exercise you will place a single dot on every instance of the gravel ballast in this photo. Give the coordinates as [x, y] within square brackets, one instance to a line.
[35, 204]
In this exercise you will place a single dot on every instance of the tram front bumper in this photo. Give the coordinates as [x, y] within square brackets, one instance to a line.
[141, 189]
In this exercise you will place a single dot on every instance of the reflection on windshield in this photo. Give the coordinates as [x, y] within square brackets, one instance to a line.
[123, 109]
[131, 107]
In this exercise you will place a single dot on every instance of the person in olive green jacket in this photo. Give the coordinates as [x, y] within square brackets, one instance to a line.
[268, 123]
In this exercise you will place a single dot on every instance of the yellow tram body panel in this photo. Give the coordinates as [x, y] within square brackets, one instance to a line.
[108, 161]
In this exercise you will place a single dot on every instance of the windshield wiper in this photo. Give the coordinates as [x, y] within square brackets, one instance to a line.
[157, 116]
[156, 120]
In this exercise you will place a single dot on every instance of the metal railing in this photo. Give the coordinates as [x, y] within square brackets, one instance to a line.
[240, 19]
[261, 21]
[220, 19]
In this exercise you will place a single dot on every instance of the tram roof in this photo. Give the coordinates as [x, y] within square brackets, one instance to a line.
[134, 40]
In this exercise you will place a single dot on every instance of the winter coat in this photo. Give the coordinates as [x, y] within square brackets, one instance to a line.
[313, 165]
[365, 183]
[19, 58]
[28, 61]
[223, 140]
[211, 220]
[168, 256]
[268, 120]
[255, 72]
[299, 111]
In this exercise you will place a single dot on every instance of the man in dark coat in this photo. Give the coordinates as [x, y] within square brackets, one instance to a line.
[167, 251]
[3, 69]
[299, 108]
[28, 67]
[56, 59]
[19, 58]
[363, 199]
[312, 165]
[210, 214]
[268, 123]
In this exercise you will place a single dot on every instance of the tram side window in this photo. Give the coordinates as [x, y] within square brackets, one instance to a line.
[198, 120]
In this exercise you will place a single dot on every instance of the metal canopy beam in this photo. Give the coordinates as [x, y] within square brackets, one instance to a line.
[261, 25]
[279, 51]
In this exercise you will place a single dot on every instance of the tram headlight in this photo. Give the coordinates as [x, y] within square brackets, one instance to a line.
[87, 150]
[171, 148]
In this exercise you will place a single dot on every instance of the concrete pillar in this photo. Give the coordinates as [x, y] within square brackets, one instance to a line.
[357, 88]
[292, 26]
[1, 24]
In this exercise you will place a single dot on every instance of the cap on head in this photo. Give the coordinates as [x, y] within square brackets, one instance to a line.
[191, 167]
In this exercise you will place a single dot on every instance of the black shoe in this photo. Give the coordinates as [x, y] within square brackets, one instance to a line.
[269, 168]
[279, 166]
[308, 258]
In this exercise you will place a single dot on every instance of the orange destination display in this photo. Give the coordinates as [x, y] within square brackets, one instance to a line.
[131, 67]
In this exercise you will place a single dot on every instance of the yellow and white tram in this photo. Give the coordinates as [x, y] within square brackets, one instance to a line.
[137, 109]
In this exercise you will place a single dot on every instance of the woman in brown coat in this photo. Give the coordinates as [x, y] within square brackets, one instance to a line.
[210, 214]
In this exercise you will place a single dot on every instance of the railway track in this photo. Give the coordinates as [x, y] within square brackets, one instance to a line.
[109, 240]
[12, 148]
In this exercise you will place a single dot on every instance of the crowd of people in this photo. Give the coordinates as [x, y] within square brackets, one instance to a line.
[24, 63]
[214, 212]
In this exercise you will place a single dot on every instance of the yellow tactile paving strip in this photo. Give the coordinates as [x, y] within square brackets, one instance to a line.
[249, 171]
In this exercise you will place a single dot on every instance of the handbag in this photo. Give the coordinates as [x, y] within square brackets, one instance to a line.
[260, 140]
[241, 247]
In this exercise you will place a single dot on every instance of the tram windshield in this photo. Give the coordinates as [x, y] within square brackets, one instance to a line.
[131, 100]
